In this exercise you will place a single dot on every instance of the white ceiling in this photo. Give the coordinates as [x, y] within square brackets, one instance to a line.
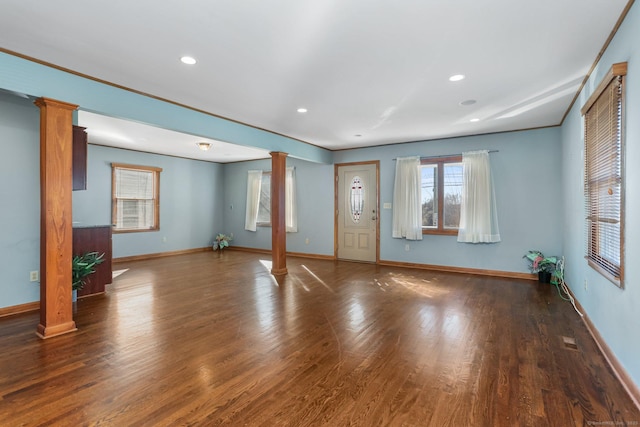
[374, 68]
[112, 132]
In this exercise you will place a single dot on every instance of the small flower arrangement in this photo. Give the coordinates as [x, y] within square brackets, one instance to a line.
[547, 267]
[539, 262]
[222, 241]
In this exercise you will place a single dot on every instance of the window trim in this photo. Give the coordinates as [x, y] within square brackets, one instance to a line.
[440, 161]
[156, 196]
[594, 257]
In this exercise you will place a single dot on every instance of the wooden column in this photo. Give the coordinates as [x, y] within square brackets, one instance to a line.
[278, 226]
[56, 142]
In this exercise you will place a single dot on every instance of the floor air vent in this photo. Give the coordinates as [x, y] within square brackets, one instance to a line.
[569, 343]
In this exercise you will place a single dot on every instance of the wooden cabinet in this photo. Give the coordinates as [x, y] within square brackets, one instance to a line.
[79, 158]
[98, 239]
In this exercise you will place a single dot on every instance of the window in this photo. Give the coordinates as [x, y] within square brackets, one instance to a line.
[135, 198]
[604, 176]
[441, 182]
[264, 209]
[258, 211]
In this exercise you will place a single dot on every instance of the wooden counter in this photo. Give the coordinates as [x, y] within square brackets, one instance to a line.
[89, 239]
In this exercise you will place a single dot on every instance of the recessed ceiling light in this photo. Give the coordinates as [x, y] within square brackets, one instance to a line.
[204, 146]
[468, 102]
[188, 60]
[474, 120]
[302, 110]
[357, 135]
[456, 77]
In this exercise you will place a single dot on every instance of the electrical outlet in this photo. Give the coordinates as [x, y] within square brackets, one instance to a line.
[306, 241]
[407, 248]
[164, 239]
[586, 285]
[33, 276]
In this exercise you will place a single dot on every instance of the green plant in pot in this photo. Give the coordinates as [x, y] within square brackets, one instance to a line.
[221, 241]
[82, 266]
[545, 266]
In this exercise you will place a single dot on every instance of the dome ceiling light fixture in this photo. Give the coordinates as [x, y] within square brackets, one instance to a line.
[189, 60]
[204, 146]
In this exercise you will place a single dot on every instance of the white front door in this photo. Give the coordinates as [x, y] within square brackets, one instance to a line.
[357, 215]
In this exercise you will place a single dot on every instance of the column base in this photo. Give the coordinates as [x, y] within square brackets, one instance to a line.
[279, 271]
[45, 332]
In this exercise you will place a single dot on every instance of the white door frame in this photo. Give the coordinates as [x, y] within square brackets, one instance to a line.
[336, 204]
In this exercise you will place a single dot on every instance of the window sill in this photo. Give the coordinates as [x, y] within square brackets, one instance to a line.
[133, 230]
[453, 232]
[610, 277]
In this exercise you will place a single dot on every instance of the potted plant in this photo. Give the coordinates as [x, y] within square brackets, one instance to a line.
[545, 266]
[81, 267]
[222, 241]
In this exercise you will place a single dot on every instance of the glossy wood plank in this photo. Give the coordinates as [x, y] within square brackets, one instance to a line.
[465, 270]
[212, 338]
[165, 254]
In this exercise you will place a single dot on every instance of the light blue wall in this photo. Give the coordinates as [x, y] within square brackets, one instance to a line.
[235, 202]
[613, 311]
[20, 195]
[314, 191]
[526, 173]
[528, 189]
[189, 195]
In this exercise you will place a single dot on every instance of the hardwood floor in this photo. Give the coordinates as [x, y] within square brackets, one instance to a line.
[211, 338]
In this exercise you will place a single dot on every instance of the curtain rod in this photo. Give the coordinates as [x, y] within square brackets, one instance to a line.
[445, 155]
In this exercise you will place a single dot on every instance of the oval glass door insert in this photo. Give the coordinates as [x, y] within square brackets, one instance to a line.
[356, 199]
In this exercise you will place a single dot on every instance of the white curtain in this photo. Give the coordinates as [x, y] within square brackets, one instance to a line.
[254, 181]
[290, 208]
[478, 214]
[407, 207]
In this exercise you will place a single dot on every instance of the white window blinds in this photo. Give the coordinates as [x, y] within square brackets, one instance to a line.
[135, 198]
[604, 181]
